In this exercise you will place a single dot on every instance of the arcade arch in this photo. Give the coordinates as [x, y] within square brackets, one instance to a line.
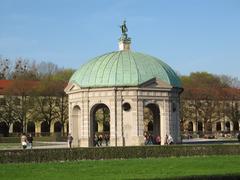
[100, 121]
[152, 120]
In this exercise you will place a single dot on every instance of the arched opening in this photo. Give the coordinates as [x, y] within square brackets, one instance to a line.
[17, 127]
[57, 127]
[235, 126]
[227, 124]
[151, 123]
[100, 124]
[190, 126]
[218, 126]
[45, 128]
[4, 129]
[200, 126]
[31, 127]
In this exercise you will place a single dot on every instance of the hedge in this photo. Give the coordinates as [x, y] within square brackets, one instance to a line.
[64, 154]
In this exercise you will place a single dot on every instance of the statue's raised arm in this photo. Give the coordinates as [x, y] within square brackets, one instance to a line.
[124, 27]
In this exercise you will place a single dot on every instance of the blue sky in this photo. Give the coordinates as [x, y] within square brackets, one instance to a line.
[189, 35]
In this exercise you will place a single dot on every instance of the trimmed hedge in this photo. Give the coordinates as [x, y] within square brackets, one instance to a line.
[47, 155]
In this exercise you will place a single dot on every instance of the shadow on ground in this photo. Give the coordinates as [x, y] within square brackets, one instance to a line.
[212, 177]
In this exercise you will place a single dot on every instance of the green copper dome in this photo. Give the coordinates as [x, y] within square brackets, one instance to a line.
[123, 68]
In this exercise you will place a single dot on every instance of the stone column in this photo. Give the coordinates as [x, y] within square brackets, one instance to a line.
[119, 120]
[37, 127]
[164, 111]
[11, 128]
[194, 126]
[112, 123]
[231, 126]
[222, 126]
[52, 128]
[214, 127]
[87, 127]
[140, 115]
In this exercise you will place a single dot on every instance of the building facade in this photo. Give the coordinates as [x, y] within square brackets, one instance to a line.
[124, 83]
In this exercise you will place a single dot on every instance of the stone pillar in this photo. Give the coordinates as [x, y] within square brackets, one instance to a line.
[194, 126]
[86, 128]
[52, 127]
[222, 126]
[164, 111]
[231, 126]
[119, 122]
[140, 120]
[113, 134]
[214, 127]
[37, 127]
[11, 128]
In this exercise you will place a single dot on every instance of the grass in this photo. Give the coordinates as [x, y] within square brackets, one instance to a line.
[4, 146]
[158, 168]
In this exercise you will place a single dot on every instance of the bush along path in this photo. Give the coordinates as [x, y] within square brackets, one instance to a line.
[65, 154]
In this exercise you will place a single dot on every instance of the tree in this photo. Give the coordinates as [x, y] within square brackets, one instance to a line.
[102, 117]
[63, 75]
[7, 112]
[47, 102]
[24, 70]
[5, 67]
[22, 90]
[203, 94]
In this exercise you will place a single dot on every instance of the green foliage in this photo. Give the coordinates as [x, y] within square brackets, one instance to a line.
[47, 155]
[202, 79]
[63, 75]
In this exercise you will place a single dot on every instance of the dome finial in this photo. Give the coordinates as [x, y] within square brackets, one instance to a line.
[124, 40]
[124, 28]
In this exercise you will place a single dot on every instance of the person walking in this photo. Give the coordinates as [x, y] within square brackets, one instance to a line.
[24, 141]
[166, 140]
[30, 140]
[170, 140]
[106, 138]
[70, 139]
[95, 140]
[100, 139]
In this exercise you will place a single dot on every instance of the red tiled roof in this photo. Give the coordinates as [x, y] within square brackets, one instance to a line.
[5, 85]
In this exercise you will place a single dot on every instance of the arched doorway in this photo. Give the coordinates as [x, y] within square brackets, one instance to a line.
[200, 126]
[235, 126]
[227, 124]
[17, 127]
[45, 128]
[75, 124]
[31, 127]
[151, 122]
[100, 123]
[57, 127]
[218, 126]
[4, 129]
[190, 126]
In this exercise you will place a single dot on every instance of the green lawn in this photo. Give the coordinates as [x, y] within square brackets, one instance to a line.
[159, 168]
[10, 145]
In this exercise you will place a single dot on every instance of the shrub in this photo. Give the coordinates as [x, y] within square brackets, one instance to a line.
[65, 154]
